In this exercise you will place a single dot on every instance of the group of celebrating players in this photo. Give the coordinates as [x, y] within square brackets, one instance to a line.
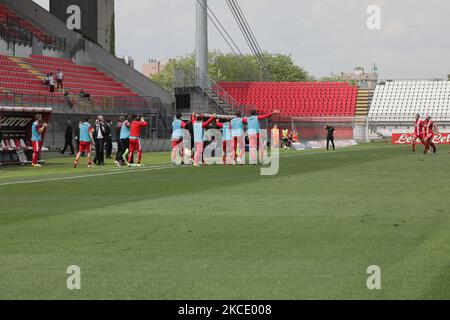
[128, 143]
[424, 131]
[233, 138]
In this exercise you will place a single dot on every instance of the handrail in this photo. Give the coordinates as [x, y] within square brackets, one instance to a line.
[77, 104]
[11, 32]
[204, 81]
[195, 78]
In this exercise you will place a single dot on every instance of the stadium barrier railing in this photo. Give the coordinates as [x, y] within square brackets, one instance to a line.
[196, 79]
[77, 104]
[14, 34]
[390, 118]
[75, 107]
[382, 126]
[313, 127]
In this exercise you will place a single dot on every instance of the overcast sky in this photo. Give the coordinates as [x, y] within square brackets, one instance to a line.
[323, 36]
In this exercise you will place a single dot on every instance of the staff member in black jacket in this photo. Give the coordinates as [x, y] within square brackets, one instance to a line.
[108, 139]
[330, 136]
[99, 139]
[68, 138]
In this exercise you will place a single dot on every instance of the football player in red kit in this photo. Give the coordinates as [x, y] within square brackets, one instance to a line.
[227, 142]
[37, 130]
[135, 142]
[430, 130]
[419, 127]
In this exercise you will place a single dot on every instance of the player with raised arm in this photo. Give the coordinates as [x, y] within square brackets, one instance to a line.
[37, 129]
[419, 126]
[430, 130]
[135, 139]
[124, 141]
[253, 133]
[177, 137]
[199, 130]
[227, 141]
[86, 142]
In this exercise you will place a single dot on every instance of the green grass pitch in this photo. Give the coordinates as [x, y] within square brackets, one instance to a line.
[163, 232]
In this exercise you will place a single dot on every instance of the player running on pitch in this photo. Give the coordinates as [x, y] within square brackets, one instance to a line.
[135, 139]
[199, 129]
[86, 142]
[430, 130]
[253, 133]
[419, 127]
[37, 129]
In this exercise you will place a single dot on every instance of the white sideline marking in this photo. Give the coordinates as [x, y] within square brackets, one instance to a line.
[322, 151]
[162, 167]
[117, 171]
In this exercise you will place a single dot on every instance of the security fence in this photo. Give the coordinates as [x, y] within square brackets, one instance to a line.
[14, 34]
[76, 109]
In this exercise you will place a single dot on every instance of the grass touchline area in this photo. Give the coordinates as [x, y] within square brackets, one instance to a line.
[224, 232]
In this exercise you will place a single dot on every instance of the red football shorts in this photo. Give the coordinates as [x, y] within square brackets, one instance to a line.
[37, 145]
[175, 143]
[135, 146]
[85, 147]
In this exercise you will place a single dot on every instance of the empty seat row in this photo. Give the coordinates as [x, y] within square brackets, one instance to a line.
[399, 100]
[16, 76]
[296, 98]
[15, 144]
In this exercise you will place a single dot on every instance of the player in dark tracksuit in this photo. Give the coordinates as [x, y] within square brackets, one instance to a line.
[330, 136]
[124, 138]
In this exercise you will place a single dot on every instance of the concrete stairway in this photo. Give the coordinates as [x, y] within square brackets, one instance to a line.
[27, 66]
[363, 100]
[223, 107]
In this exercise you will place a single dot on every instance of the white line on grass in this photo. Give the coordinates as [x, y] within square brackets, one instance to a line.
[315, 152]
[115, 172]
[162, 167]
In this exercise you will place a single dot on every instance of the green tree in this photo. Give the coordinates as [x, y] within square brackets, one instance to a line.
[336, 78]
[165, 77]
[283, 68]
[228, 67]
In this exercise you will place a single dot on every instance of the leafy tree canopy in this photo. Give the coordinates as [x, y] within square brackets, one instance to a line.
[228, 67]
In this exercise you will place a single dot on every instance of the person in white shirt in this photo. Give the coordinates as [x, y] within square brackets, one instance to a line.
[51, 81]
[59, 79]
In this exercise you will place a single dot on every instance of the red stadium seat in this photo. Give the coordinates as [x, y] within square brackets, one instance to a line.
[296, 98]
[18, 79]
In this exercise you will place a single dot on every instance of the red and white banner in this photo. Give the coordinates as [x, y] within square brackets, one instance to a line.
[407, 138]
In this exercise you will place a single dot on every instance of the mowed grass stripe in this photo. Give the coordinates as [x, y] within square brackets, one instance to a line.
[309, 232]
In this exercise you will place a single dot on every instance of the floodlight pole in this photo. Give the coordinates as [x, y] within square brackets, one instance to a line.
[201, 37]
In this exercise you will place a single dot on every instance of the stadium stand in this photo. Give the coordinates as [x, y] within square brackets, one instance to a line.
[26, 75]
[296, 98]
[397, 101]
[13, 25]
[33, 43]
